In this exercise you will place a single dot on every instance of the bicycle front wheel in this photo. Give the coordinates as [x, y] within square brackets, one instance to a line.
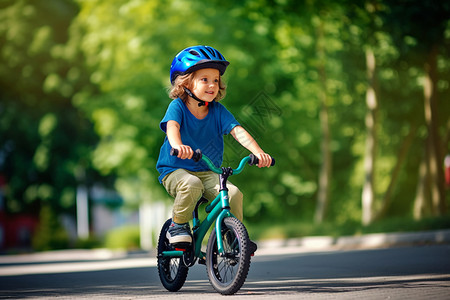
[228, 273]
[172, 271]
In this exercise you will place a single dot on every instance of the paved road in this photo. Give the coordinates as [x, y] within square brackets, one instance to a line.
[420, 272]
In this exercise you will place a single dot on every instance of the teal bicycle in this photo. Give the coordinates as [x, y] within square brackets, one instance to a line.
[227, 256]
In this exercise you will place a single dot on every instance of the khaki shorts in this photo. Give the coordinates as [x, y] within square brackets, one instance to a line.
[187, 187]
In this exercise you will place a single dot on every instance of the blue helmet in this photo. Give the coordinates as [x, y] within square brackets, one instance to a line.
[195, 58]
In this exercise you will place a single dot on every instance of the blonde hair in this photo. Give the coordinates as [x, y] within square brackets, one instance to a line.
[182, 81]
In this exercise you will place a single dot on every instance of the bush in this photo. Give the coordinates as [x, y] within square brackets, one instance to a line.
[50, 234]
[126, 237]
[87, 243]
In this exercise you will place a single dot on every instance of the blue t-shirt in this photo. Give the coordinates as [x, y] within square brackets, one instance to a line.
[205, 134]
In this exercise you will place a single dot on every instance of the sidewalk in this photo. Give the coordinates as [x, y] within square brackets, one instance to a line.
[367, 241]
[270, 247]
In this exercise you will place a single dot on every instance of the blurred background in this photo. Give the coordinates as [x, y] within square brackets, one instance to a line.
[352, 98]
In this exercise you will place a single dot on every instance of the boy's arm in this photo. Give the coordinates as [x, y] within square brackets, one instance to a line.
[174, 137]
[245, 139]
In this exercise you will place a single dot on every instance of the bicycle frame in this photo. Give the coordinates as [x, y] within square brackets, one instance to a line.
[217, 210]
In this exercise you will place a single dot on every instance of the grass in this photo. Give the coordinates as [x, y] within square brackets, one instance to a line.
[299, 228]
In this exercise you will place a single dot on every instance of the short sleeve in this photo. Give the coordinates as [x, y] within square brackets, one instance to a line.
[228, 121]
[174, 113]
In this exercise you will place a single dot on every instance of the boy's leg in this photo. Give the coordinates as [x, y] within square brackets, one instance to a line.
[211, 183]
[186, 189]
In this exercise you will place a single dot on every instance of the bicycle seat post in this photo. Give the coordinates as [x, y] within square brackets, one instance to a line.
[226, 172]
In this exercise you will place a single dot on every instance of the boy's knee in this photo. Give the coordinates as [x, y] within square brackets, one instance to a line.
[235, 194]
[190, 183]
[236, 202]
[189, 190]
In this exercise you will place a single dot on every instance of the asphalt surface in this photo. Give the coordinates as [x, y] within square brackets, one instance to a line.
[386, 266]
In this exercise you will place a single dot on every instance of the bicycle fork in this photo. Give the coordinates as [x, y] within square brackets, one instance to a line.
[223, 193]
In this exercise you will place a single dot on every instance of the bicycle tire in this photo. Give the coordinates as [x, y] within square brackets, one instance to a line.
[227, 274]
[172, 272]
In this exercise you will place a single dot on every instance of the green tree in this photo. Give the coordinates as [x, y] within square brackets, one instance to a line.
[129, 47]
[43, 137]
[418, 29]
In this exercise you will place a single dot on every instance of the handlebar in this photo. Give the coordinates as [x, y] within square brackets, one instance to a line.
[197, 156]
[254, 160]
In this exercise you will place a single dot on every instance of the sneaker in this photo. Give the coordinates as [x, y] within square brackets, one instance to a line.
[179, 233]
[252, 247]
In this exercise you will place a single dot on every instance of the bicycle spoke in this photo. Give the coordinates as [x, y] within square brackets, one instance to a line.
[174, 264]
[227, 266]
[224, 270]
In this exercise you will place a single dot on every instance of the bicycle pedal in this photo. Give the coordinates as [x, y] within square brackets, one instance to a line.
[202, 261]
[182, 246]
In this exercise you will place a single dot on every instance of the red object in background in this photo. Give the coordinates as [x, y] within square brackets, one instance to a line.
[17, 230]
[447, 170]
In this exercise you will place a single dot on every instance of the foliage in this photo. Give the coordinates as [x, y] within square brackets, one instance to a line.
[50, 234]
[44, 139]
[126, 237]
[88, 243]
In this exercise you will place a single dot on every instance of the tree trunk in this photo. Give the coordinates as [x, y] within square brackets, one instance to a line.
[368, 193]
[422, 202]
[436, 172]
[325, 170]
[395, 173]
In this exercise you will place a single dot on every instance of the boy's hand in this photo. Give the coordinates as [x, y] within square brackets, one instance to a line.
[184, 151]
[264, 160]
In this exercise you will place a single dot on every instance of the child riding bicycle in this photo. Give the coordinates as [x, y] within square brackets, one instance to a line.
[196, 120]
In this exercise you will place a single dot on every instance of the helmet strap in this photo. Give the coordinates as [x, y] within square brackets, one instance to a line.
[191, 94]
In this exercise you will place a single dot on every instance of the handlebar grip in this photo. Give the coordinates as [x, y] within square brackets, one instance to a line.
[254, 160]
[173, 152]
[197, 156]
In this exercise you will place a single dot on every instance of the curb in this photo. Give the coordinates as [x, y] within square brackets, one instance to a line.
[63, 256]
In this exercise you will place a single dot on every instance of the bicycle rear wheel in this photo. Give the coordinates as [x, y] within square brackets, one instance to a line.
[172, 271]
[228, 273]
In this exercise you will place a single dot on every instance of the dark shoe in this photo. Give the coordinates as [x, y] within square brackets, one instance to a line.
[202, 259]
[252, 247]
[179, 233]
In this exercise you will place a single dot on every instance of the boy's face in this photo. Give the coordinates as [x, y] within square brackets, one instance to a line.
[205, 84]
